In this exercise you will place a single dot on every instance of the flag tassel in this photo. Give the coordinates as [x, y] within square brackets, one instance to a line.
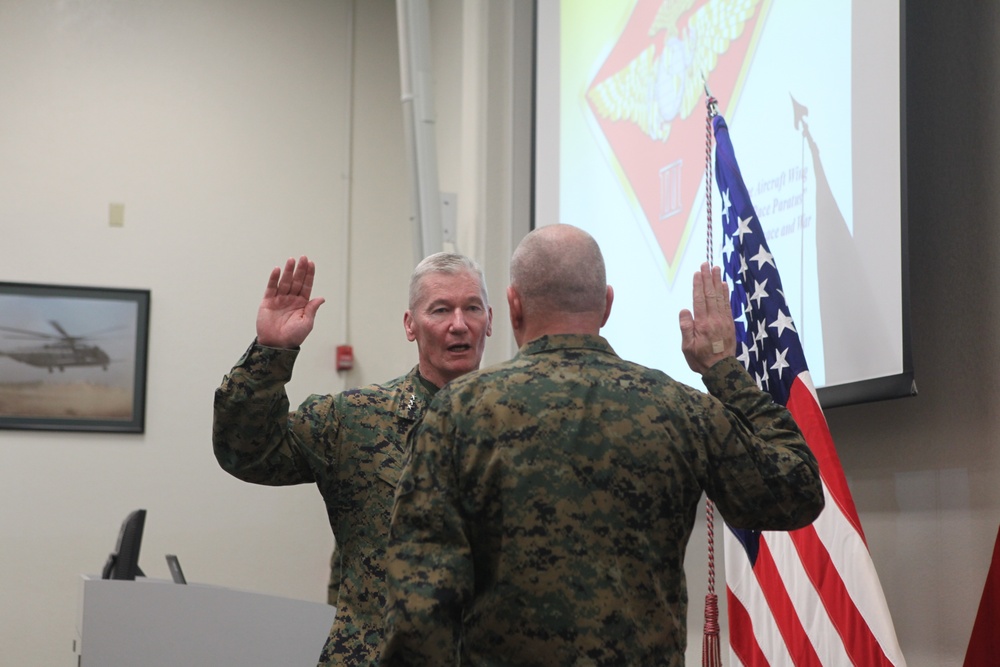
[711, 655]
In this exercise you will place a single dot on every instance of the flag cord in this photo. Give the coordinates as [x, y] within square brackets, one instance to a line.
[710, 651]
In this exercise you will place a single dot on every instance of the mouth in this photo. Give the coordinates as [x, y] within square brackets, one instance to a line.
[459, 348]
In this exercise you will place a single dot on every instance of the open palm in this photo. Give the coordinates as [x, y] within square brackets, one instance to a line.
[287, 312]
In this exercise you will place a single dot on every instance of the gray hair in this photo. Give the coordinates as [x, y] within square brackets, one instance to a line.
[444, 262]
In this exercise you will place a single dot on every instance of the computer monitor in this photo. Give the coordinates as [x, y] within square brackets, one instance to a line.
[123, 562]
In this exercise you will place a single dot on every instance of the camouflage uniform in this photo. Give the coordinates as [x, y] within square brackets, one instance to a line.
[544, 514]
[351, 446]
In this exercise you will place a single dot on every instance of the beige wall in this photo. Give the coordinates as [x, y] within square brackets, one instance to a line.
[221, 126]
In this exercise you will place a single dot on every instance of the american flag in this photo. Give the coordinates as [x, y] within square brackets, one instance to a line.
[810, 596]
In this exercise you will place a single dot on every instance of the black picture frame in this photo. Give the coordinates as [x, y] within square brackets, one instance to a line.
[73, 358]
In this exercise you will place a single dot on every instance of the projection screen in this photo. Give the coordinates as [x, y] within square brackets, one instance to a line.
[812, 92]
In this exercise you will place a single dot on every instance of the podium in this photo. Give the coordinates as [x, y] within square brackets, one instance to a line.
[157, 623]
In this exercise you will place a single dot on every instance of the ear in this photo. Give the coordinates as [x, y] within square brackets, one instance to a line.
[489, 321]
[516, 310]
[607, 307]
[408, 326]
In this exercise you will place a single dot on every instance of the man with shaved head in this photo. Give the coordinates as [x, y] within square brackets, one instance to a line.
[544, 512]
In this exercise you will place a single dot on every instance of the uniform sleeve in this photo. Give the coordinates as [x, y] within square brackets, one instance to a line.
[430, 577]
[254, 436]
[759, 470]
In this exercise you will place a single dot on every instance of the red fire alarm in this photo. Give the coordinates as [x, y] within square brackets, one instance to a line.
[345, 357]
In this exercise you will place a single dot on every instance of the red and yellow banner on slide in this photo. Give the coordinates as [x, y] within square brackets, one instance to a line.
[645, 96]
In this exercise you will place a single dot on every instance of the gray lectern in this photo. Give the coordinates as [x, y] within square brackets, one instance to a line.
[158, 623]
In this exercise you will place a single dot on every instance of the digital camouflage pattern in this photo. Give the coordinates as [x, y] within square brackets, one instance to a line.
[351, 446]
[544, 513]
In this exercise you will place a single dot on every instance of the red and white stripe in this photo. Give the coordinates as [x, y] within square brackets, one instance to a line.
[813, 598]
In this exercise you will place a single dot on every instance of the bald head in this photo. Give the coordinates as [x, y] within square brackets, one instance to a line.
[557, 273]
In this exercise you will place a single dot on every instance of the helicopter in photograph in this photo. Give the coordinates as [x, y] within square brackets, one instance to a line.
[60, 350]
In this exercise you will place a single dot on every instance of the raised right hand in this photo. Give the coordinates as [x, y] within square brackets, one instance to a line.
[709, 333]
[288, 311]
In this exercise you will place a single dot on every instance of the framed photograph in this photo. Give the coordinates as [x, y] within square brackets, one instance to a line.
[73, 358]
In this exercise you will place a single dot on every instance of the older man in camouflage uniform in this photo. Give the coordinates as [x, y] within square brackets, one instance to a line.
[352, 445]
[544, 513]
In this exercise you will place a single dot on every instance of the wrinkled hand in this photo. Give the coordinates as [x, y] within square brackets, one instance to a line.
[288, 311]
[710, 334]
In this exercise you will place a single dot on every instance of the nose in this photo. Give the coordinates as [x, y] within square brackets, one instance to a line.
[458, 322]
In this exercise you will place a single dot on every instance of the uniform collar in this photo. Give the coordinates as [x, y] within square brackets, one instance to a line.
[566, 342]
[415, 393]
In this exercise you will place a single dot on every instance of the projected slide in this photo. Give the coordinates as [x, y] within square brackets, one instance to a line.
[621, 151]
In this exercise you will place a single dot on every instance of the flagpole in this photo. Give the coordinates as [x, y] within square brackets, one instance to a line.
[798, 115]
[711, 655]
